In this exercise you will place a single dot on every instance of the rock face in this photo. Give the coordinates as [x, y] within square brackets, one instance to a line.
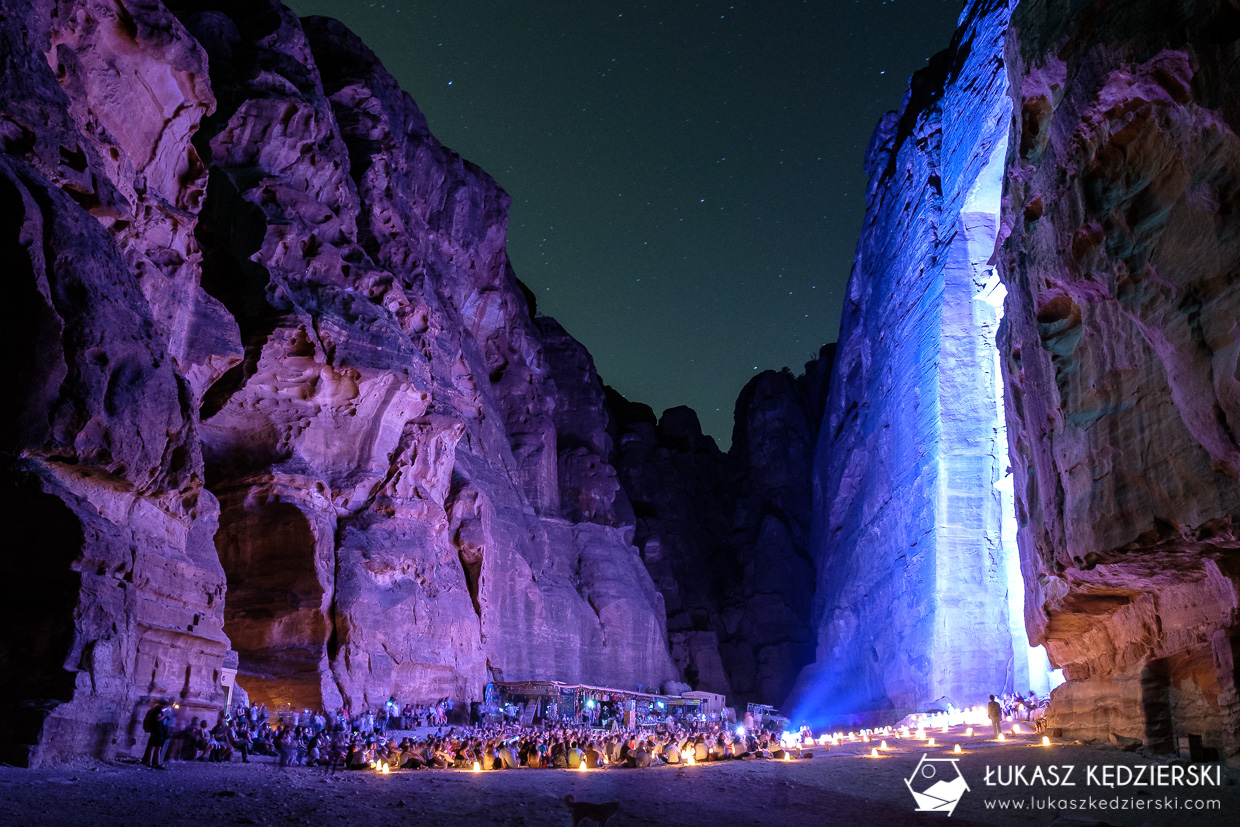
[1121, 353]
[112, 590]
[726, 536]
[912, 589]
[278, 386]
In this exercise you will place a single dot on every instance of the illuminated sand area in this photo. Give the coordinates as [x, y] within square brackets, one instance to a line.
[842, 785]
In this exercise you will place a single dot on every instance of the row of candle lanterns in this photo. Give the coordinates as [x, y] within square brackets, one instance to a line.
[791, 741]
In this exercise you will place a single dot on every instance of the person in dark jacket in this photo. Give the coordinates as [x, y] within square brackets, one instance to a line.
[162, 723]
[154, 744]
[995, 712]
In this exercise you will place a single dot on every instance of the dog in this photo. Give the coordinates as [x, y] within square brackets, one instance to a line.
[584, 810]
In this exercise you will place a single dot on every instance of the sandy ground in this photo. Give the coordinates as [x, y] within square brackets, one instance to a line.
[843, 786]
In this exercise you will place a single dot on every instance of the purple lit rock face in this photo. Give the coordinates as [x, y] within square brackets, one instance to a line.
[112, 591]
[907, 537]
[726, 536]
[267, 300]
[395, 403]
[1121, 356]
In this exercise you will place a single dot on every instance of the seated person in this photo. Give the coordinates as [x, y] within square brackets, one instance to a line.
[671, 752]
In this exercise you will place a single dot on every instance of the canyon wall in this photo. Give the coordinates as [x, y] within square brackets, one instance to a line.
[278, 386]
[726, 535]
[278, 390]
[1122, 359]
[911, 600]
[111, 590]
[1111, 132]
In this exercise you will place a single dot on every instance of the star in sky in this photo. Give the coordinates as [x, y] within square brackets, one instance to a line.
[666, 160]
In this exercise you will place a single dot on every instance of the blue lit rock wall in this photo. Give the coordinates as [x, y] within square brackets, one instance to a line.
[912, 597]
[1122, 355]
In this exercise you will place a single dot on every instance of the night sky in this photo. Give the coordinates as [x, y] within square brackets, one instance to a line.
[686, 177]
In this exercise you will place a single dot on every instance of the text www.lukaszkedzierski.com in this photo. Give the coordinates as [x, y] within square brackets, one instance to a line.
[1091, 803]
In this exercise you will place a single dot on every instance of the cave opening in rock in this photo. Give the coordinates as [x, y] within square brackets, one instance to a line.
[37, 601]
[274, 609]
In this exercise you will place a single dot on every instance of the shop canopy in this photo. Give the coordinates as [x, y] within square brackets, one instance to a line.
[531, 689]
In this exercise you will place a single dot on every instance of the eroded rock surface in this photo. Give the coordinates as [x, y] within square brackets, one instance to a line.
[396, 400]
[1121, 356]
[254, 293]
[112, 591]
[911, 600]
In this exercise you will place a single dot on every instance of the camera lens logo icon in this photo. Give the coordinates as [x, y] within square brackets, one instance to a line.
[937, 785]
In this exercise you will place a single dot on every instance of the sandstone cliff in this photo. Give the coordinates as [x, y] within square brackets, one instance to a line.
[1121, 354]
[1111, 131]
[254, 294]
[908, 541]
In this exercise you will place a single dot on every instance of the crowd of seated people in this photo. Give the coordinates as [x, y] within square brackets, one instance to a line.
[344, 741]
[511, 746]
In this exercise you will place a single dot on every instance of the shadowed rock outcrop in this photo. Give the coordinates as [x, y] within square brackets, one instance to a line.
[726, 536]
[111, 588]
[1120, 356]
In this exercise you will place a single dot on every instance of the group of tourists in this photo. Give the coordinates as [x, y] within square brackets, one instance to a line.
[302, 738]
[390, 715]
[1012, 706]
[508, 746]
[1019, 707]
[295, 736]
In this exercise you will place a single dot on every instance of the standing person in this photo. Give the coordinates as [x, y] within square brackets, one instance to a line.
[151, 724]
[995, 712]
[338, 752]
[167, 725]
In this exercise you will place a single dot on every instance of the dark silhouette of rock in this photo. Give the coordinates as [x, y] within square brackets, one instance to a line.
[726, 536]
